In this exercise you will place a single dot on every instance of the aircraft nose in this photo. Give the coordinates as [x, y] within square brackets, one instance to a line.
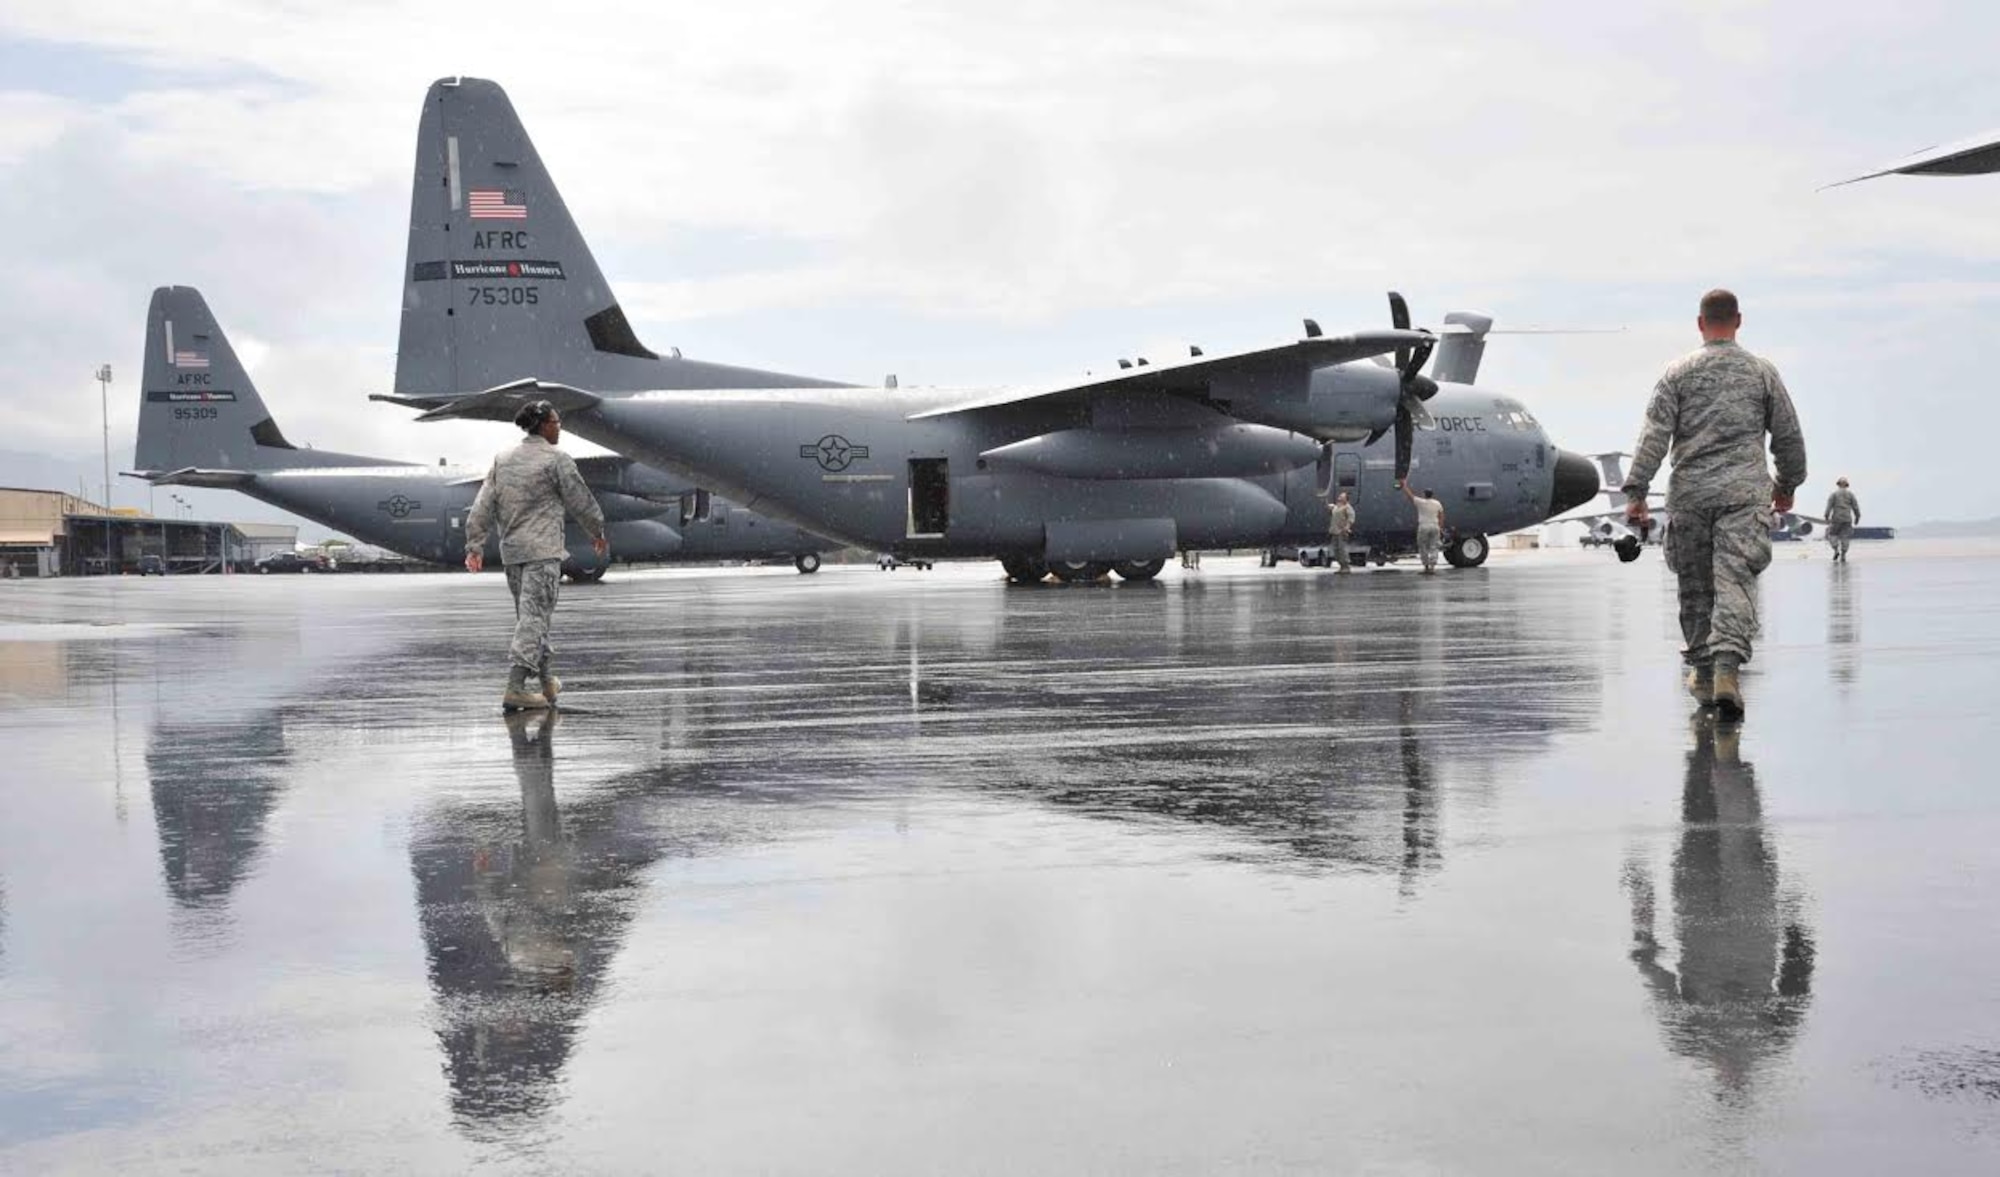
[1575, 482]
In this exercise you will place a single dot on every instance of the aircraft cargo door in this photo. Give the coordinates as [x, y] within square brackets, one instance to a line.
[930, 498]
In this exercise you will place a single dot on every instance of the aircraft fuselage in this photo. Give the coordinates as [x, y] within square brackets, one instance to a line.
[853, 465]
[419, 511]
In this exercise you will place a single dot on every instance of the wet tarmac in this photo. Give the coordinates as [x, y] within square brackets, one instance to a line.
[1246, 870]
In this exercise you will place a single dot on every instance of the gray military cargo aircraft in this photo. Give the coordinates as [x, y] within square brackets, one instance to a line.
[503, 302]
[202, 423]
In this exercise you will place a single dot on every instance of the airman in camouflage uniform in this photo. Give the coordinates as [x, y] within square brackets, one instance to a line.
[1339, 528]
[1713, 408]
[1843, 511]
[527, 492]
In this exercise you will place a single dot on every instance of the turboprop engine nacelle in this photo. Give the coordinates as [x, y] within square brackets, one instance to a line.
[1345, 402]
[624, 507]
[605, 473]
[649, 535]
[1224, 451]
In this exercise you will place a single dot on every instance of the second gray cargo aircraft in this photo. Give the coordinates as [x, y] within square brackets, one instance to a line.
[202, 423]
[504, 303]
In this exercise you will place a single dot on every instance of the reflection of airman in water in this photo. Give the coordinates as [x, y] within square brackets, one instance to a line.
[533, 897]
[1842, 633]
[1745, 970]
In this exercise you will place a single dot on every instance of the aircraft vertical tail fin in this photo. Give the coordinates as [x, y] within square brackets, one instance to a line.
[499, 286]
[198, 406]
[1612, 466]
[1462, 347]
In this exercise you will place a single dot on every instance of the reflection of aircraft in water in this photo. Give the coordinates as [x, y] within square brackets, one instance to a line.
[522, 913]
[214, 788]
[220, 756]
[1332, 745]
[1737, 994]
[519, 920]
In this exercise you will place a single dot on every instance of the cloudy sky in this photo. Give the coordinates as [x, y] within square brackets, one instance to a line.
[978, 193]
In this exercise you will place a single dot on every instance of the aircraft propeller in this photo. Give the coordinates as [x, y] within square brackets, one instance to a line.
[1417, 388]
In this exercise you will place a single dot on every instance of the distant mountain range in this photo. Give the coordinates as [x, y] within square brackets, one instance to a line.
[85, 477]
[1951, 529]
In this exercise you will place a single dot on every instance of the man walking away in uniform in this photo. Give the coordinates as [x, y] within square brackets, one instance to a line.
[1843, 511]
[1339, 526]
[1713, 408]
[1430, 526]
[527, 493]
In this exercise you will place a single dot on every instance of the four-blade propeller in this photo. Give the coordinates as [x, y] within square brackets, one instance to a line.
[1417, 388]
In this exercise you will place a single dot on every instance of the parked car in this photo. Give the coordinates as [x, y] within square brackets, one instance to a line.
[288, 562]
[152, 565]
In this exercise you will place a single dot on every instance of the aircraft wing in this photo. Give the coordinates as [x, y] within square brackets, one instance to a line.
[1967, 157]
[1257, 367]
[496, 404]
[196, 476]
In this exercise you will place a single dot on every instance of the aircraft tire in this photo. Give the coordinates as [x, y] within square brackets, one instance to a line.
[586, 575]
[1137, 570]
[1467, 551]
[1079, 571]
[1024, 569]
[806, 562]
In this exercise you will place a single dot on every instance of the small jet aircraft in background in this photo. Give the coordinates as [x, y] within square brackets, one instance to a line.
[202, 423]
[503, 303]
[1609, 527]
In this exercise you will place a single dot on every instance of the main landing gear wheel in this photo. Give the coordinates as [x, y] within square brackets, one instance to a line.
[1079, 571]
[587, 575]
[1467, 551]
[806, 562]
[1024, 569]
[1138, 569]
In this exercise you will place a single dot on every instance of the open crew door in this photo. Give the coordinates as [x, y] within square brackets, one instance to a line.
[1346, 474]
[930, 498]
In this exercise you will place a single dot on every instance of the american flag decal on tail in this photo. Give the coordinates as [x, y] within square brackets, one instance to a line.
[195, 355]
[497, 204]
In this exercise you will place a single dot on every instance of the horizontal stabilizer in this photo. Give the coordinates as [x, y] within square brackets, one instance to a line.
[1258, 369]
[196, 476]
[500, 404]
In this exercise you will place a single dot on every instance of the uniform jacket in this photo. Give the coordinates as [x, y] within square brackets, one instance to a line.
[526, 494]
[1713, 408]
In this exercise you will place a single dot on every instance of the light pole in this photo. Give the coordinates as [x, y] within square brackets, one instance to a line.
[104, 404]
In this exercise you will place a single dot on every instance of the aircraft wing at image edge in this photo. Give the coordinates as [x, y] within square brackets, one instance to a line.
[1977, 156]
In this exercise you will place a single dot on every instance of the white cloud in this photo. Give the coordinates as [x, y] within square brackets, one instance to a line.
[1038, 186]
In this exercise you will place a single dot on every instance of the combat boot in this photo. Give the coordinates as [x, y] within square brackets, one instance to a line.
[1728, 692]
[518, 696]
[551, 685]
[1701, 684]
